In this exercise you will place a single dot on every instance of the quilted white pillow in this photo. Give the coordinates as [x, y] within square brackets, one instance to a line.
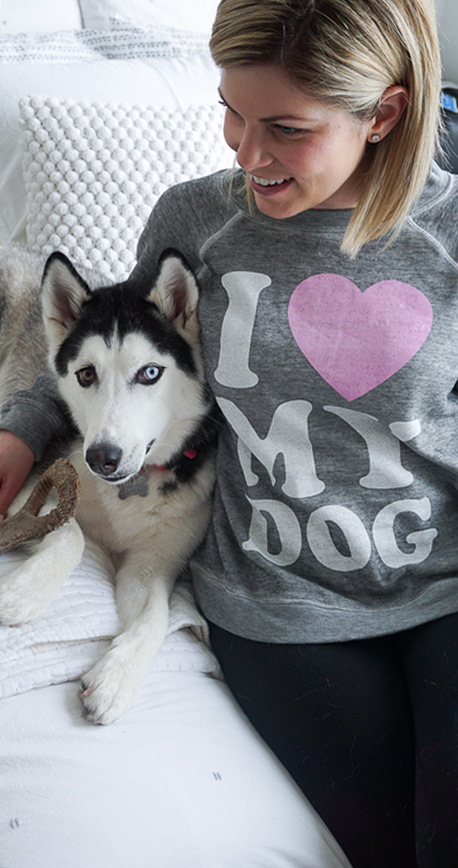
[93, 172]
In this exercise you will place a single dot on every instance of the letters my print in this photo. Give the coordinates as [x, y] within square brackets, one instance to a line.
[301, 478]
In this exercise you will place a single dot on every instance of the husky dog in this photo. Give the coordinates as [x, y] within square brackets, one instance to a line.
[128, 366]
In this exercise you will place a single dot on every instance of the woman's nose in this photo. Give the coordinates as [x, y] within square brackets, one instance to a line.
[250, 146]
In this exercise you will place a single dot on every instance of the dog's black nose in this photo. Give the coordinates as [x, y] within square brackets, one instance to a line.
[103, 458]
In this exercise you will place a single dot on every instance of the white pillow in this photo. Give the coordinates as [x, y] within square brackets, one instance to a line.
[20, 15]
[174, 82]
[93, 173]
[71, 46]
[195, 15]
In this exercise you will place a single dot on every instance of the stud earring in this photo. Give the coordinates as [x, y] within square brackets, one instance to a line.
[375, 138]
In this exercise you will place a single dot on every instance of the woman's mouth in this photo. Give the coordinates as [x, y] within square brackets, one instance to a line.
[265, 186]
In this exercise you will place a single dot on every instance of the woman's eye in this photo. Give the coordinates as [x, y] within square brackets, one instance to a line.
[86, 376]
[289, 131]
[149, 374]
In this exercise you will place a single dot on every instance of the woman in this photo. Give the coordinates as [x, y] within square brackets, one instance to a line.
[328, 276]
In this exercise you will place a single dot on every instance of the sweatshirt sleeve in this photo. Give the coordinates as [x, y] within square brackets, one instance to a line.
[38, 415]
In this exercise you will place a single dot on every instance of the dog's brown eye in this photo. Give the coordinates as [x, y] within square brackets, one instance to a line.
[86, 376]
[149, 374]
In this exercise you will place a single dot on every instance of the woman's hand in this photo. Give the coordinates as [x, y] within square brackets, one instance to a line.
[16, 462]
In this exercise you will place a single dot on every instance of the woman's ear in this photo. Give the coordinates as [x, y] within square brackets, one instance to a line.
[392, 106]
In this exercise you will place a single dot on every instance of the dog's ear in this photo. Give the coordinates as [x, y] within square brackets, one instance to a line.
[63, 293]
[175, 291]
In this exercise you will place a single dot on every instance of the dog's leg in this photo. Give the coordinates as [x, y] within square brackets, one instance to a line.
[143, 589]
[26, 591]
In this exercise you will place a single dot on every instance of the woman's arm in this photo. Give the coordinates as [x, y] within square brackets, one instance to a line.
[29, 420]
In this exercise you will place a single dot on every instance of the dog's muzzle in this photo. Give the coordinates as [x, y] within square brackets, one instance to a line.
[104, 459]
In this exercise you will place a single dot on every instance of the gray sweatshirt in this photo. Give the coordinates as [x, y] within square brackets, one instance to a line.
[336, 505]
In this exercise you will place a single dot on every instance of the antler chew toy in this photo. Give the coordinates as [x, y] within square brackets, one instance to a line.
[26, 524]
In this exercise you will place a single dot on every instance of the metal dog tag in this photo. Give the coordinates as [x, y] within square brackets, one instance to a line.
[137, 485]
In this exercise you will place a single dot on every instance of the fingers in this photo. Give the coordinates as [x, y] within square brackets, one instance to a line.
[16, 462]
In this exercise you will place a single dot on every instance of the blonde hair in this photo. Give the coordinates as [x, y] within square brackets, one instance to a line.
[347, 53]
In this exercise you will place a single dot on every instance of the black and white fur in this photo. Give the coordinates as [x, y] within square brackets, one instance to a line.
[128, 364]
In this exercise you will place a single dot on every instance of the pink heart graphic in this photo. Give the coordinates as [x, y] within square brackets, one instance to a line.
[356, 340]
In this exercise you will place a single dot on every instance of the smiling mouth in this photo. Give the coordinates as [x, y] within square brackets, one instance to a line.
[265, 182]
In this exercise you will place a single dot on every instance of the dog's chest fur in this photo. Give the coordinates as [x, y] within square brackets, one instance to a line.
[120, 523]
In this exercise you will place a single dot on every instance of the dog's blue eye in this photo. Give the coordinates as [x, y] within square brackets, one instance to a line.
[86, 376]
[149, 374]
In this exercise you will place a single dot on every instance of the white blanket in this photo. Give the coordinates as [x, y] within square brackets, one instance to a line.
[74, 632]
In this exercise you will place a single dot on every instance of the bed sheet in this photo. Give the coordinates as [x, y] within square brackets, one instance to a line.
[182, 781]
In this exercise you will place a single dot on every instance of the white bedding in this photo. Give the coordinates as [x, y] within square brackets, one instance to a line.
[19, 15]
[78, 625]
[181, 780]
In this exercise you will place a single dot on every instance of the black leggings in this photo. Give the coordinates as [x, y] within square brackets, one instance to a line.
[369, 731]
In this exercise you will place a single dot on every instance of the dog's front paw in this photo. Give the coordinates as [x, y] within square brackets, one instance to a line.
[108, 689]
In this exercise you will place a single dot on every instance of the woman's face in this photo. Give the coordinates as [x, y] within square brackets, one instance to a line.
[299, 152]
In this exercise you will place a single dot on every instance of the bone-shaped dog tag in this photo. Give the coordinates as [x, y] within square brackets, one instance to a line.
[137, 485]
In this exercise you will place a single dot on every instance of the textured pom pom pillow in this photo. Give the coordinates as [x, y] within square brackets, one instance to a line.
[154, 66]
[93, 172]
